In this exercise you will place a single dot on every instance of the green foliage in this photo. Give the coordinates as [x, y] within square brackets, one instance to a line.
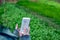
[1, 12]
[39, 31]
[50, 9]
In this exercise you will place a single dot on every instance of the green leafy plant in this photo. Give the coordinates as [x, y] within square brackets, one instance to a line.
[49, 8]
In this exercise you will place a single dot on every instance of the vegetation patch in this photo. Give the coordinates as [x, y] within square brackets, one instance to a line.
[50, 9]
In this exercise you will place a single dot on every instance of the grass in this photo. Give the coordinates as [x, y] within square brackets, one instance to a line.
[49, 8]
[39, 31]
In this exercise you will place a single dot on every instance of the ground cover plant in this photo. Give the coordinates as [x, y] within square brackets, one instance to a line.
[39, 31]
[47, 8]
[1, 11]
